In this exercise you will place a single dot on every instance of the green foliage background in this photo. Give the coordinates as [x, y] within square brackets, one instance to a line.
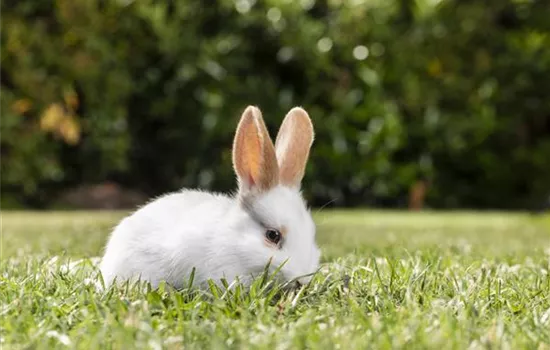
[147, 93]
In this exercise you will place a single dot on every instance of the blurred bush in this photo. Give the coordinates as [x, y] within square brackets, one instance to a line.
[147, 94]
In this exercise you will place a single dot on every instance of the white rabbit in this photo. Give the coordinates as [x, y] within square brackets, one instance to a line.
[227, 236]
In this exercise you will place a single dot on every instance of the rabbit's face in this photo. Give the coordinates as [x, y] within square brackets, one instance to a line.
[282, 232]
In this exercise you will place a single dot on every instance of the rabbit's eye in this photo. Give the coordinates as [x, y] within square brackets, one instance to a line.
[273, 236]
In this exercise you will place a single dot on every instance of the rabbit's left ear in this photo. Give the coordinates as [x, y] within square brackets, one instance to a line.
[292, 146]
[253, 154]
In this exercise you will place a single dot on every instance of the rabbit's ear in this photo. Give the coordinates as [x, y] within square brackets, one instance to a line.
[292, 146]
[254, 158]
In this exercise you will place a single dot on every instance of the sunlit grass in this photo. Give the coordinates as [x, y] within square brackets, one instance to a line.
[389, 280]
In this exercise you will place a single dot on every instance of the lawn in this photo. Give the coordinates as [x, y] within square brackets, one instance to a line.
[389, 280]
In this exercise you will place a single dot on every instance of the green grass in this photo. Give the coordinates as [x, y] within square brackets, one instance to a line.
[389, 280]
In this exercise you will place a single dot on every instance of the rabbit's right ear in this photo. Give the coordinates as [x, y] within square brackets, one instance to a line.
[292, 146]
[254, 157]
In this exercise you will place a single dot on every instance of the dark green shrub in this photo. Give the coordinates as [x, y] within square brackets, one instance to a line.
[148, 94]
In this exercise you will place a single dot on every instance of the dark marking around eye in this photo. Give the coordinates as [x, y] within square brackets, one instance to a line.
[272, 236]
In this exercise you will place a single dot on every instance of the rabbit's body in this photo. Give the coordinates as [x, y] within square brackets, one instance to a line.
[166, 238]
[218, 236]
